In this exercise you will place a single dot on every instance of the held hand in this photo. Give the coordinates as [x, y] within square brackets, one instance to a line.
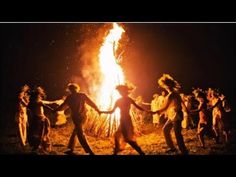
[99, 112]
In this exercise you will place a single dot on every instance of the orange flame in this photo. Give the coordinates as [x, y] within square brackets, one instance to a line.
[112, 74]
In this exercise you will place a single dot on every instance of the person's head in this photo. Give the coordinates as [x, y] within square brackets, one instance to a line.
[124, 90]
[24, 92]
[199, 95]
[155, 96]
[210, 93]
[168, 83]
[73, 88]
[37, 94]
[182, 96]
[25, 89]
[40, 92]
[216, 93]
[163, 93]
[222, 96]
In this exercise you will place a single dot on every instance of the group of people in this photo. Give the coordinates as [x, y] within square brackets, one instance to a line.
[213, 112]
[170, 105]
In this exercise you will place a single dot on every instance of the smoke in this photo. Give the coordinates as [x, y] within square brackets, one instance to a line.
[89, 76]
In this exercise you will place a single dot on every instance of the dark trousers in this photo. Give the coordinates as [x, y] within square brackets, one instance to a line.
[78, 130]
[179, 138]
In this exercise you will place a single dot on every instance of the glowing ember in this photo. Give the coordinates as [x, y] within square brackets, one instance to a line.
[111, 70]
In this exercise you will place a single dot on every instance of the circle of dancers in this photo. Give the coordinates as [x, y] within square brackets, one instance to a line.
[172, 108]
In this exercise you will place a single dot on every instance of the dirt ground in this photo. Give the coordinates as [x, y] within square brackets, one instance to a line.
[152, 143]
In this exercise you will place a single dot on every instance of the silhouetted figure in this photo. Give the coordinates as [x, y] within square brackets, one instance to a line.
[76, 102]
[39, 124]
[173, 108]
[21, 115]
[125, 131]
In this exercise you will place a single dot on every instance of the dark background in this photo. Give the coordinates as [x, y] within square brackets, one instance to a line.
[195, 54]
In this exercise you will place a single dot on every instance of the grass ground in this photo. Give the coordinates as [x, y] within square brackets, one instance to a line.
[151, 141]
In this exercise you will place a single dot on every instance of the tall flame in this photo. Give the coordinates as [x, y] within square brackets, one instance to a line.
[111, 70]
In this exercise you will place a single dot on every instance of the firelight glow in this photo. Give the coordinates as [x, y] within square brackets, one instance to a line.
[112, 74]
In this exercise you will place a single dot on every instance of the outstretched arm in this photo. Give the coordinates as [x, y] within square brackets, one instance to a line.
[45, 102]
[164, 107]
[140, 108]
[91, 103]
[63, 106]
[111, 111]
[146, 103]
[137, 106]
[46, 106]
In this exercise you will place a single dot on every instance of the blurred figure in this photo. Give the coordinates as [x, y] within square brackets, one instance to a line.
[39, 124]
[21, 115]
[218, 115]
[203, 127]
[227, 117]
[154, 107]
[184, 122]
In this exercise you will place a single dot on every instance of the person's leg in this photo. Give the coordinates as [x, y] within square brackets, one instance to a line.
[179, 137]
[21, 133]
[166, 130]
[200, 135]
[47, 141]
[223, 129]
[83, 141]
[134, 145]
[215, 128]
[24, 131]
[71, 144]
[118, 137]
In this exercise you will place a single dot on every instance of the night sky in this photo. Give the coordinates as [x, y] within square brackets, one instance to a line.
[196, 55]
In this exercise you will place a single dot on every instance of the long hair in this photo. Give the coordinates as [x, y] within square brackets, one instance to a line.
[168, 82]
